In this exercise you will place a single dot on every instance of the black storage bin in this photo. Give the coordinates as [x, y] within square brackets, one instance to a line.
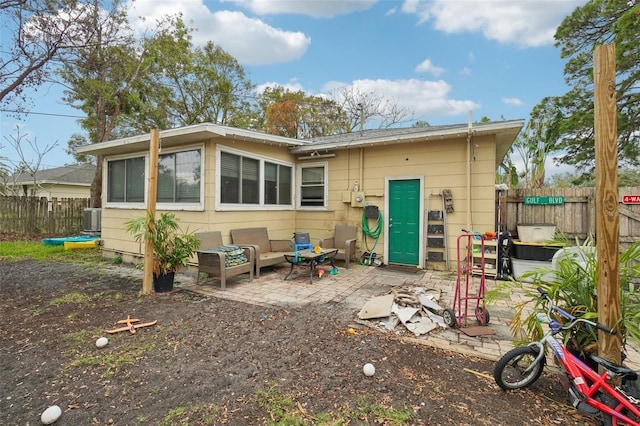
[533, 251]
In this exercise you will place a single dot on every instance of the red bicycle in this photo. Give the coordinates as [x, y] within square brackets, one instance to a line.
[590, 392]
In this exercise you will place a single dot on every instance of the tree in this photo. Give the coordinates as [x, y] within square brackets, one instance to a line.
[627, 177]
[421, 124]
[597, 22]
[35, 34]
[77, 140]
[369, 108]
[4, 172]
[106, 75]
[540, 140]
[27, 165]
[207, 85]
[302, 116]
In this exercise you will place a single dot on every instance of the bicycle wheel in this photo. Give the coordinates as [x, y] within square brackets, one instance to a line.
[509, 372]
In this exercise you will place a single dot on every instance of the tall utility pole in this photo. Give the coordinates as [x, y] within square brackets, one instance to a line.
[607, 219]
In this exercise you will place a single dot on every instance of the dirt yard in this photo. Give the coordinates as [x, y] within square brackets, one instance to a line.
[209, 361]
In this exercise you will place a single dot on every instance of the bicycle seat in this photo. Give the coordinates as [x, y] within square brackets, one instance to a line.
[619, 370]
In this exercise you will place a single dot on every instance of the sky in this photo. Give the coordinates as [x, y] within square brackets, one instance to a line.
[440, 59]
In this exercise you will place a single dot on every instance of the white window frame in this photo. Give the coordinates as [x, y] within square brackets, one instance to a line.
[325, 204]
[261, 206]
[160, 206]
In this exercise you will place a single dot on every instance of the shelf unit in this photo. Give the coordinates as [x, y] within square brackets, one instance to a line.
[436, 225]
[490, 257]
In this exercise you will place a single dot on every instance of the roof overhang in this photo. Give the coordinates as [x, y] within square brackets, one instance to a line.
[505, 133]
[182, 136]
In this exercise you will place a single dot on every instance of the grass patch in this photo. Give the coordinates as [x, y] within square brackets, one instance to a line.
[24, 250]
[112, 361]
[283, 410]
[74, 297]
[79, 338]
[36, 311]
[206, 414]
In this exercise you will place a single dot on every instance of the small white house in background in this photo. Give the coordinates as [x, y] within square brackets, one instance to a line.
[73, 181]
[218, 178]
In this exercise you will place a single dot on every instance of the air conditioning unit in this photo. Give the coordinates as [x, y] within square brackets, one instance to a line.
[92, 220]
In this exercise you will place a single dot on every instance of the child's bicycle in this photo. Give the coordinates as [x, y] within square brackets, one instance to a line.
[589, 391]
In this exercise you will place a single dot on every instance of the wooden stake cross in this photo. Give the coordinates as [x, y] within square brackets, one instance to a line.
[131, 325]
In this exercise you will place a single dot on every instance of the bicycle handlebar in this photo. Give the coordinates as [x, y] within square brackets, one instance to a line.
[572, 320]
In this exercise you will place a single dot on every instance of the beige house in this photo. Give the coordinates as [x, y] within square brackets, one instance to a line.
[73, 181]
[221, 178]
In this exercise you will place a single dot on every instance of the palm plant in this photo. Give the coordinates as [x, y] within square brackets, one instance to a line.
[573, 286]
[172, 248]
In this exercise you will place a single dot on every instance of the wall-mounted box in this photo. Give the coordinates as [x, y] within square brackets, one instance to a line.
[357, 199]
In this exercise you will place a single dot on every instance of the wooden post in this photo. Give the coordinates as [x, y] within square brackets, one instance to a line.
[607, 220]
[152, 191]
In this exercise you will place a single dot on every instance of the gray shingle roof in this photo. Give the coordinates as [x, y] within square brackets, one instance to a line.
[76, 174]
[408, 135]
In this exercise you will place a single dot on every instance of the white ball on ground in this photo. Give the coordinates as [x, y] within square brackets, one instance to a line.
[368, 369]
[50, 415]
[102, 342]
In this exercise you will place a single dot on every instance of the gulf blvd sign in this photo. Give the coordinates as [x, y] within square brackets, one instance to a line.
[631, 199]
[544, 200]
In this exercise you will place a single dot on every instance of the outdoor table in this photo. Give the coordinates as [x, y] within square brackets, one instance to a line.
[311, 258]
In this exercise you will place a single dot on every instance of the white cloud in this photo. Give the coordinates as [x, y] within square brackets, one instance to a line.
[466, 71]
[427, 66]
[313, 8]
[292, 86]
[527, 23]
[512, 101]
[249, 40]
[423, 98]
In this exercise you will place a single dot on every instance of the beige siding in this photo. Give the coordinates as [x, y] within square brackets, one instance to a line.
[60, 191]
[443, 164]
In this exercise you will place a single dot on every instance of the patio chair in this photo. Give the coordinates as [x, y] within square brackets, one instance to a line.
[344, 239]
[222, 261]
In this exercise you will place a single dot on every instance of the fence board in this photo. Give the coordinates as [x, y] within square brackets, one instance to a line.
[31, 215]
[576, 217]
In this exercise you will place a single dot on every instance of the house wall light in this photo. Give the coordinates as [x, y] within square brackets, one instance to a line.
[315, 156]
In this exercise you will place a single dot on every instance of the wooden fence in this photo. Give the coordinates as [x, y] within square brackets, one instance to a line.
[31, 215]
[575, 216]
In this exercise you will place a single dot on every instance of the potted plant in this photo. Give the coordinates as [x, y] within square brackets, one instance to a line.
[172, 247]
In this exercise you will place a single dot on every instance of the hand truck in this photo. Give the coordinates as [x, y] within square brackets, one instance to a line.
[464, 298]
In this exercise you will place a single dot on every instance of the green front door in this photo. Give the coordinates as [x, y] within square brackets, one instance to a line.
[404, 221]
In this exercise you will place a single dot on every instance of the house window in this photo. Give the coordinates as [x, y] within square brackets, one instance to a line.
[251, 181]
[277, 184]
[125, 180]
[313, 189]
[239, 183]
[179, 177]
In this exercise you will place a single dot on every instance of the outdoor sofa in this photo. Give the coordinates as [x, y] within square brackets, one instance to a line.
[267, 252]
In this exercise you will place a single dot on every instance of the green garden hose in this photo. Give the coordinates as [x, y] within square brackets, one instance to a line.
[369, 255]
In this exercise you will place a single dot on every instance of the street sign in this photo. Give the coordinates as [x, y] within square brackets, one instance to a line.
[544, 200]
[631, 199]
